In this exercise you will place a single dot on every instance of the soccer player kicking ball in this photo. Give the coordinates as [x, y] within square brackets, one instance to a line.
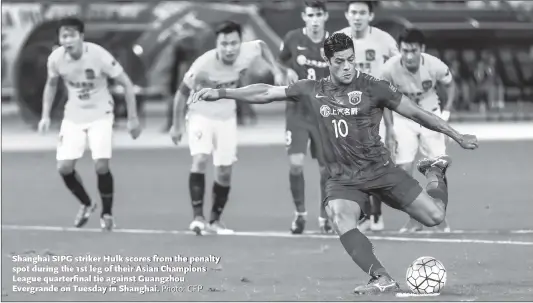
[372, 48]
[301, 55]
[212, 128]
[85, 68]
[416, 74]
[348, 107]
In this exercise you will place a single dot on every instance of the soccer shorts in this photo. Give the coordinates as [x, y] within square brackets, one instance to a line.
[396, 188]
[413, 137]
[213, 136]
[74, 137]
[300, 136]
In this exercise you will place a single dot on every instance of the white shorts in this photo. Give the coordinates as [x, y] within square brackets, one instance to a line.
[211, 136]
[73, 139]
[413, 137]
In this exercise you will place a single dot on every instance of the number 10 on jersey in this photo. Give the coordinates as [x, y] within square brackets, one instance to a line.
[340, 127]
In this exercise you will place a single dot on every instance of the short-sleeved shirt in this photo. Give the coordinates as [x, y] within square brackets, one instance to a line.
[86, 80]
[372, 50]
[209, 71]
[348, 118]
[418, 86]
[304, 56]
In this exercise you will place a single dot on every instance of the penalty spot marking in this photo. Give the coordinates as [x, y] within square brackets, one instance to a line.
[406, 295]
[267, 234]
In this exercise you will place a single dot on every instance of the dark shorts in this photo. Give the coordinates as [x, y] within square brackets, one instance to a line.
[301, 135]
[396, 188]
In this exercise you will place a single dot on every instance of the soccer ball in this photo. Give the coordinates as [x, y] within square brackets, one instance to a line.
[426, 275]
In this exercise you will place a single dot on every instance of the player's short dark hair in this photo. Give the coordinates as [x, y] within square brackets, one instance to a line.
[228, 27]
[338, 42]
[371, 4]
[74, 22]
[319, 4]
[412, 35]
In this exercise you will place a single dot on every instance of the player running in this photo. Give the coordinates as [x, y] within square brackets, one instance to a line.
[85, 68]
[212, 128]
[348, 107]
[416, 74]
[372, 48]
[301, 55]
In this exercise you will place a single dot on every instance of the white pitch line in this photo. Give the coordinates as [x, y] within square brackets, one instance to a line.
[268, 234]
[406, 295]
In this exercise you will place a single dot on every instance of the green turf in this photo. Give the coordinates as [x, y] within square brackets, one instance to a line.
[489, 191]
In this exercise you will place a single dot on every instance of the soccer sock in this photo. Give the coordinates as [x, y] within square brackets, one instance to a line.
[437, 185]
[73, 183]
[197, 191]
[105, 187]
[323, 180]
[375, 204]
[361, 250]
[297, 183]
[220, 197]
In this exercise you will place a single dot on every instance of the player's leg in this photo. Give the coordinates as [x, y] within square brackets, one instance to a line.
[200, 135]
[297, 138]
[344, 214]
[224, 155]
[433, 145]
[314, 145]
[407, 133]
[100, 137]
[70, 148]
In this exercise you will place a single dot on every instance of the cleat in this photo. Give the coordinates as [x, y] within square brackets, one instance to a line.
[376, 223]
[444, 227]
[324, 225]
[198, 226]
[442, 162]
[107, 222]
[411, 226]
[364, 224]
[298, 224]
[219, 228]
[83, 215]
[378, 284]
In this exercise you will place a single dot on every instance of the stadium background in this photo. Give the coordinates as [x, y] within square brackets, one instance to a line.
[486, 43]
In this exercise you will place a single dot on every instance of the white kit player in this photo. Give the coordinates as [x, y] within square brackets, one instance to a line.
[88, 118]
[212, 127]
[372, 48]
[416, 74]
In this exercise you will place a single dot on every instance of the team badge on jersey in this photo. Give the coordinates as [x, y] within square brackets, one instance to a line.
[89, 74]
[325, 111]
[427, 84]
[370, 55]
[355, 97]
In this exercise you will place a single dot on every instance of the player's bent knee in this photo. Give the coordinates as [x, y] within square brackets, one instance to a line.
[343, 214]
[65, 167]
[101, 166]
[296, 163]
[437, 217]
[199, 163]
[223, 175]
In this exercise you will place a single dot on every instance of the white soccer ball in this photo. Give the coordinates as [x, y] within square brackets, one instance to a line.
[426, 275]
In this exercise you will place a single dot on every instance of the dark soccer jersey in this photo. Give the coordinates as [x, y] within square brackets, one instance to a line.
[348, 119]
[303, 56]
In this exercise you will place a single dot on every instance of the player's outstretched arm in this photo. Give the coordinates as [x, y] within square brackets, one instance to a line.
[410, 110]
[129, 94]
[255, 93]
[267, 55]
[180, 105]
[49, 93]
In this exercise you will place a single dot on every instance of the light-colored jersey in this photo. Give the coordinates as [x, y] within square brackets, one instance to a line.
[86, 80]
[372, 50]
[209, 71]
[419, 86]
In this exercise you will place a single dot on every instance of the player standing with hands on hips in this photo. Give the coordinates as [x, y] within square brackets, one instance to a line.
[85, 68]
[212, 128]
[301, 55]
[372, 48]
[348, 107]
[415, 74]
